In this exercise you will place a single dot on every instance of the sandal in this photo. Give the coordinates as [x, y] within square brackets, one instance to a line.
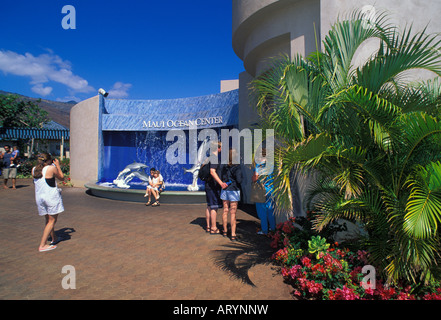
[156, 204]
[207, 230]
[225, 233]
[215, 231]
[148, 203]
[233, 238]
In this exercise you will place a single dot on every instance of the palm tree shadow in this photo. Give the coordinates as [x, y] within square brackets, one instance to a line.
[240, 256]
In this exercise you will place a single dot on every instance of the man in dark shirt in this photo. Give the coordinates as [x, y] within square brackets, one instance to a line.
[213, 187]
[8, 171]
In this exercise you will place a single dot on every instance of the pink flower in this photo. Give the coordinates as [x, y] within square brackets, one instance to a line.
[432, 296]
[306, 262]
[313, 287]
[297, 293]
[385, 293]
[343, 294]
[362, 256]
[285, 272]
[369, 291]
[295, 271]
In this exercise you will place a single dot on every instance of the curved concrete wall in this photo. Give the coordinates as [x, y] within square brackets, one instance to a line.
[264, 29]
[84, 141]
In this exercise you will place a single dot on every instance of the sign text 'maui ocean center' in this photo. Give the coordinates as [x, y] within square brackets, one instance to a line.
[199, 122]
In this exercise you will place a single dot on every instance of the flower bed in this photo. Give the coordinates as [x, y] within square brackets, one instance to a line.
[321, 271]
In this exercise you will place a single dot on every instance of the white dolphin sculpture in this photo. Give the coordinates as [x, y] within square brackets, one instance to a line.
[201, 156]
[134, 169]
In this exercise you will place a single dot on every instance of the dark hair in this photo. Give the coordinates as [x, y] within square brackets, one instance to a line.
[44, 160]
[152, 169]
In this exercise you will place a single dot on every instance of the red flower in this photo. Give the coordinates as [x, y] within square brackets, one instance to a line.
[295, 271]
[287, 227]
[313, 287]
[306, 262]
[343, 294]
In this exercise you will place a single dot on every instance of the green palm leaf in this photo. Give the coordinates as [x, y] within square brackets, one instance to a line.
[401, 53]
[423, 209]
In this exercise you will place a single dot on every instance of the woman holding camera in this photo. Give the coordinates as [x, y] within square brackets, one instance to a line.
[48, 196]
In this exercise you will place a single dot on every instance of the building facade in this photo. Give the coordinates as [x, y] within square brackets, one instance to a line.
[107, 135]
[265, 29]
[262, 30]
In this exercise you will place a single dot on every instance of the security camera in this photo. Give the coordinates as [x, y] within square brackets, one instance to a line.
[103, 92]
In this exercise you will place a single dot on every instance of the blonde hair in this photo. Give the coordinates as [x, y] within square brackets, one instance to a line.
[44, 159]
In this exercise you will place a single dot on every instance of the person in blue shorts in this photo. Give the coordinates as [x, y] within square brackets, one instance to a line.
[231, 174]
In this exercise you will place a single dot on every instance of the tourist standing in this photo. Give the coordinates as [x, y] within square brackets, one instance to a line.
[213, 187]
[231, 174]
[265, 209]
[8, 171]
[48, 196]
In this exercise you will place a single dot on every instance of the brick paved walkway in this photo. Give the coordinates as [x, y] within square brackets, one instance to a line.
[124, 250]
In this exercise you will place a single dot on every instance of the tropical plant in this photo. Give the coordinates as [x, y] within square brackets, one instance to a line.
[317, 245]
[371, 137]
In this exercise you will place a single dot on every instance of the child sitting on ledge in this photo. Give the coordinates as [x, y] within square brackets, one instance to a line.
[155, 187]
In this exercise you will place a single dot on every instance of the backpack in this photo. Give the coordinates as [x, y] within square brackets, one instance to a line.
[204, 172]
[229, 174]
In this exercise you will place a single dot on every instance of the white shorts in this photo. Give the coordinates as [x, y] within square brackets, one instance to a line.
[49, 207]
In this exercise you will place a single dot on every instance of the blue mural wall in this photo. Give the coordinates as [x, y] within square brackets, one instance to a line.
[134, 131]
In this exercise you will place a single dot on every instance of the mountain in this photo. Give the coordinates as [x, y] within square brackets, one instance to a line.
[58, 111]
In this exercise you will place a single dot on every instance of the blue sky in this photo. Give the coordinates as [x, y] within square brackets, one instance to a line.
[135, 49]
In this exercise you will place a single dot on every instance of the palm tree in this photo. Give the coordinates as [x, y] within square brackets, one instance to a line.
[373, 138]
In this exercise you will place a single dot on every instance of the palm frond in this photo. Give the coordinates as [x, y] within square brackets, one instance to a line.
[423, 209]
[401, 53]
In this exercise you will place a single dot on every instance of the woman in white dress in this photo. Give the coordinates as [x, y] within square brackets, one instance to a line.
[48, 196]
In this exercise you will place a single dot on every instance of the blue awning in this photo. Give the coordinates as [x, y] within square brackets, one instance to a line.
[33, 133]
[217, 110]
